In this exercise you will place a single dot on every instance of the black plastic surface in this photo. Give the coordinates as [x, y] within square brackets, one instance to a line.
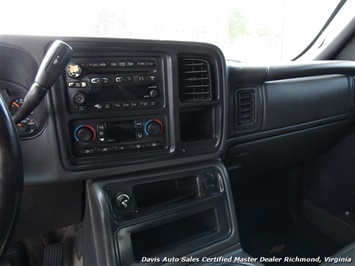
[279, 151]
[11, 176]
[110, 237]
[295, 101]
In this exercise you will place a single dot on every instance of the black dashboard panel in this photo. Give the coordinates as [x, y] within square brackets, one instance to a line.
[276, 111]
[125, 82]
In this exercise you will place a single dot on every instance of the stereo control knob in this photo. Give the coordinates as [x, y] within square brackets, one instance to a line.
[123, 201]
[85, 133]
[153, 93]
[74, 70]
[153, 127]
[79, 98]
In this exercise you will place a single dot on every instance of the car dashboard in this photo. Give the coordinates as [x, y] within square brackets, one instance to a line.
[137, 140]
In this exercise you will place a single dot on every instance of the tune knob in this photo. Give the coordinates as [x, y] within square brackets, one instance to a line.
[74, 70]
[153, 127]
[79, 98]
[84, 133]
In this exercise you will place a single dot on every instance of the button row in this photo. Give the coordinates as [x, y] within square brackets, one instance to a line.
[147, 63]
[120, 148]
[119, 105]
[77, 84]
[105, 80]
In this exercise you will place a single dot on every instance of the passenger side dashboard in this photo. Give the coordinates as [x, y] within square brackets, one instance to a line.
[286, 113]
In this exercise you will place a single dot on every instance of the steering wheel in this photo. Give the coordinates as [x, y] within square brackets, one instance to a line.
[11, 176]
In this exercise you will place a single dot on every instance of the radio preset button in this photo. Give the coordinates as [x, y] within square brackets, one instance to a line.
[130, 64]
[153, 103]
[145, 63]
[98, 65]
[147, 78]
[126, 104]
[124, 79]
[134, 104]
[122, 64]
[99, 80]
[114, 64]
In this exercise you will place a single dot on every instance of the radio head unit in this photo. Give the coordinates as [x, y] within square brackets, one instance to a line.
[114, 84]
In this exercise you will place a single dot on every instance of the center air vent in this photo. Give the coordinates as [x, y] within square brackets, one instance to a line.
[195, 79]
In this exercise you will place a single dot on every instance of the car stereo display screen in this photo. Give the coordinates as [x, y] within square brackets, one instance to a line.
[112, 93]
[120, 131]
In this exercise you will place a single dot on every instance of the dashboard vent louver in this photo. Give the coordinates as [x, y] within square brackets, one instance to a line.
[246, 108]
[195, 79]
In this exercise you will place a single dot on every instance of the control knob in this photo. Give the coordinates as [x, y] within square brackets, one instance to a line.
[84, 133]
[74, 70]
[123, 201]
[153, 93]
[79, 98]
[153, 127]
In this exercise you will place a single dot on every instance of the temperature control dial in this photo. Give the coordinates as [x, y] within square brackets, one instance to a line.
[84, 133]
[153, 127]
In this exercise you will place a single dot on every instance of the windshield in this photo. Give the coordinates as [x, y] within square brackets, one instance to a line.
[245, 30]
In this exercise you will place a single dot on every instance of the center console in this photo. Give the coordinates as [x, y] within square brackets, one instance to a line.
[140, 102]
[185, 214]
[150, 118]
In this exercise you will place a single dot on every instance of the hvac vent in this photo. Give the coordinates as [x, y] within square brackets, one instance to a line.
[246, 108]
[195, 79]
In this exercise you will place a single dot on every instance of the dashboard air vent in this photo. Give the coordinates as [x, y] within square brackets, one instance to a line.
[195, 79]
[246, 109]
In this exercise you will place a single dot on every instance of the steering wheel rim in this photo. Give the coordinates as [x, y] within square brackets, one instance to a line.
[11, 176]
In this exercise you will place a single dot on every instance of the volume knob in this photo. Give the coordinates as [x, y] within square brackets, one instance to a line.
[74, 70]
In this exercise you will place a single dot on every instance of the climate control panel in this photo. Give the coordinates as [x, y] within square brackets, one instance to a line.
[98, 137]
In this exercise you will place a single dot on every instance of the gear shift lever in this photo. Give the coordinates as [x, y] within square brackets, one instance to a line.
[52, 66]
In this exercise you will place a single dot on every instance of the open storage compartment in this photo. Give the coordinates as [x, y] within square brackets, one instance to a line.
[175, 234]
[197, 123]
[153, 240]
[155, 194]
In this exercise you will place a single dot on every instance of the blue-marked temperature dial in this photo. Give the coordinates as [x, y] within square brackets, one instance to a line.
[153, 127]
[84, 133]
